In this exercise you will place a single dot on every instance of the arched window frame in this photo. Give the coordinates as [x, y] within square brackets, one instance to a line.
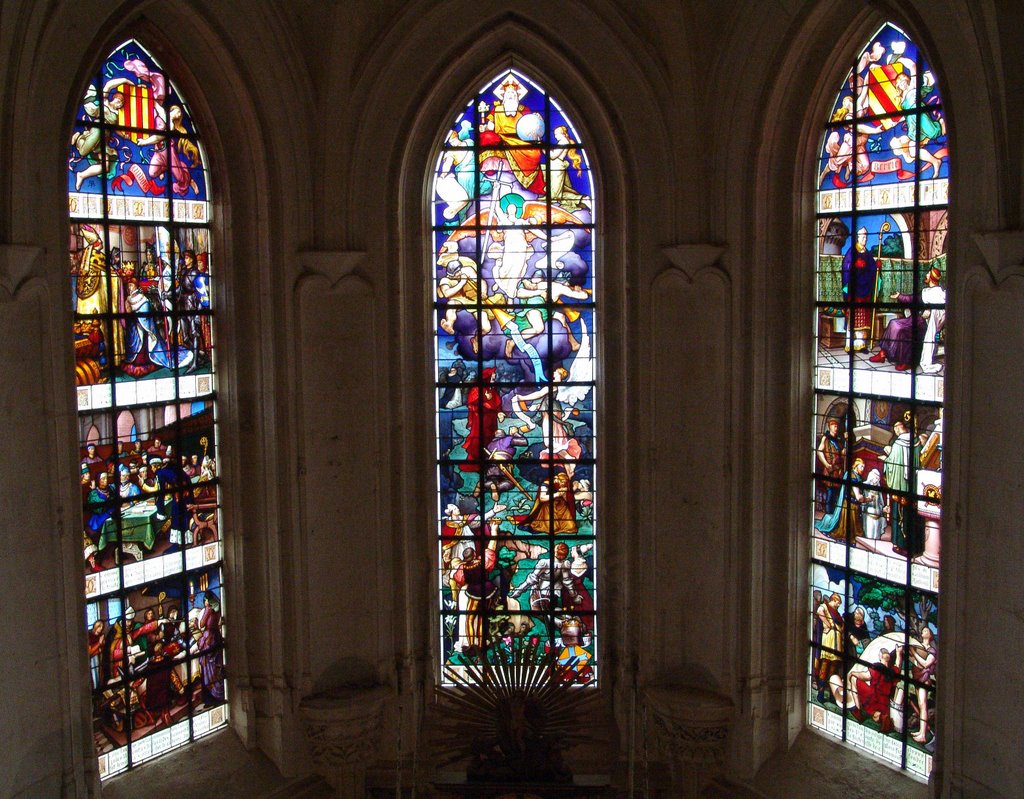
[199, 575]
[928, 200]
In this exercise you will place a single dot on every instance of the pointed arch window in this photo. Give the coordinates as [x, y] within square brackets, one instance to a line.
[513, 271]
[882, 191]
[141, 288]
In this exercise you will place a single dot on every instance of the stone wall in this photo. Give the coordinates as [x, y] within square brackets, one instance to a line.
[321, 120]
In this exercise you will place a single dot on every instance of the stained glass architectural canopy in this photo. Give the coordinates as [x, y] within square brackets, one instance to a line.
[882, 187]
[513, 279]
[142, 292]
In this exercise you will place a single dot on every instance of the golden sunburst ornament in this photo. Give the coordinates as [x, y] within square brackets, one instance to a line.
[512, 719]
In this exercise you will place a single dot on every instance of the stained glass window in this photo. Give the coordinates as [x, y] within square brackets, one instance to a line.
[142, 292]
[513, 289]
[879, 322]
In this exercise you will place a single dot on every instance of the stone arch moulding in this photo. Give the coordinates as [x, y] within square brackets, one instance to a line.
[468, 62]
[448, 79]
[49, 97]
[791, 136]
[258, 217]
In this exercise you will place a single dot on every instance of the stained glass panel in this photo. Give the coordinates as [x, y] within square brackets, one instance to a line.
[883, 185]
[513, 281]
[141, 291]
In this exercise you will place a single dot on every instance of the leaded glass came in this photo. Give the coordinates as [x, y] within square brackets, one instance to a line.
[141, 288]
[879, 321]
[513, 287]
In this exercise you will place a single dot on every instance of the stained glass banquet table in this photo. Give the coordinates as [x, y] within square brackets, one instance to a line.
[139, 525]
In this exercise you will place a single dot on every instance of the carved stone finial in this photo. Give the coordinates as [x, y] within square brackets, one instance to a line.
[692, 725]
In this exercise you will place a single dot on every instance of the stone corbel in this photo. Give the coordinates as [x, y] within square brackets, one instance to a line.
[690, 259]
[333, 265]
[1003, 251]
[343, 727]
[19, 263]
[692, 726]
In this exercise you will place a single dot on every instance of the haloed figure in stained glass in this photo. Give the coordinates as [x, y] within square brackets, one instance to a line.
[514, 269]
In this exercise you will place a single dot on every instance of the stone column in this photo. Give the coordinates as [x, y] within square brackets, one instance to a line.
[343, 729]
[692, 726]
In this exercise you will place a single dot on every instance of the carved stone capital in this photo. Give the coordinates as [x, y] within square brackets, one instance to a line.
[18, 264]
[1003, 251]
[692, 258]
[343, 729]
[334, 265]
[692, 726]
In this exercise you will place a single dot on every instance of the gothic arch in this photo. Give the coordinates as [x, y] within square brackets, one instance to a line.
[410, 182]
[790, 137]
[143, 339]
[463, 65]
[464, 61]
[240, 163]
[858, 441]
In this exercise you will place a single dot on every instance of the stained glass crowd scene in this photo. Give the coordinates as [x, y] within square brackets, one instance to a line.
[882, 191]
[513, 266]
[141, 292]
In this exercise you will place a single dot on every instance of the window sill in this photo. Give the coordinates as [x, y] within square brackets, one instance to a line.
[823, 769]
[217, 767]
